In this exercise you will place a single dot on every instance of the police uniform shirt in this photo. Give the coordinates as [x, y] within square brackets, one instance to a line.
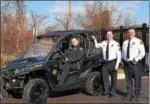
[114, 50]
[74, 54]
[136, 49]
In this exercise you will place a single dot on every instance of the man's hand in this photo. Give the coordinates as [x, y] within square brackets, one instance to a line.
[134, 62]
[66, 60]
[121, 65]
[93, 37]
[116, 67]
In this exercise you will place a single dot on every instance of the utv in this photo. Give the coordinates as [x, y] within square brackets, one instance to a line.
[34, 75]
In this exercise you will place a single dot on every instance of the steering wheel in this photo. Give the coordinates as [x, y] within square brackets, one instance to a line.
[61, 53]
[65, 59]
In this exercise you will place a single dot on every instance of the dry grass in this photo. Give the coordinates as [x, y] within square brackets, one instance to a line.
[5, 59]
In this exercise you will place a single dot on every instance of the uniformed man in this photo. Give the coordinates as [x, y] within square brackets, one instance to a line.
[132, 53]
[112, 57]
[73, 55]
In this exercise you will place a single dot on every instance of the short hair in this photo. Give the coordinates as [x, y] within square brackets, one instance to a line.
[131, 29]
[110, 32]
[74, 36]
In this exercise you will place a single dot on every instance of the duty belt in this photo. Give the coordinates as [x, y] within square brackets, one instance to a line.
[109, 60]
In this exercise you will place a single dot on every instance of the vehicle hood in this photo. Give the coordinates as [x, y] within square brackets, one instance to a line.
[23, 62]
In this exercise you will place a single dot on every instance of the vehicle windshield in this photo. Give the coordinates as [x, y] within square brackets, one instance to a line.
[40, 48]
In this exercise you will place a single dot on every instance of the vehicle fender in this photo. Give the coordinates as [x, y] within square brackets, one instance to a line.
[85, 73]
[3, 92]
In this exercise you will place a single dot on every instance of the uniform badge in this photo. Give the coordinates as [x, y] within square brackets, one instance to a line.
[133, 43]
[112, 45]
[141, 42]
[81, 49]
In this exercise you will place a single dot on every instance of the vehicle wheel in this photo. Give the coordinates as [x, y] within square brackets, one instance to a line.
[93, 85]
[3, 92]
[35, 92]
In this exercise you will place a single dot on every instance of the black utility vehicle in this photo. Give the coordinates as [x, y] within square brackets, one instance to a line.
[34, 75]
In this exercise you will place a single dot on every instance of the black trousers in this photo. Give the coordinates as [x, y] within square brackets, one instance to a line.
[109, 69]
[133, 75]
[65, 71]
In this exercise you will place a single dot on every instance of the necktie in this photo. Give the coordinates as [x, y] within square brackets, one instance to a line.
[107, 50]
[128, 50]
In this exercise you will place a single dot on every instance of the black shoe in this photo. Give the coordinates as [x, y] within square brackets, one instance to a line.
[136, 98]
[112, 94]
[128, 98]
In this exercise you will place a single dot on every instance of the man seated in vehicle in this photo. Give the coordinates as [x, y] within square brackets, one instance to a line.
[73, 55]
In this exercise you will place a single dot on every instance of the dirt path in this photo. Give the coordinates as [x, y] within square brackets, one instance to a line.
[77, 97]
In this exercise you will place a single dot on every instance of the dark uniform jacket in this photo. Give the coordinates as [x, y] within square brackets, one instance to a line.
[74, 54]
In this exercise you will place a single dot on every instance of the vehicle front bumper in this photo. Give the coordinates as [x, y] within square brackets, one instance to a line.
[12, 83]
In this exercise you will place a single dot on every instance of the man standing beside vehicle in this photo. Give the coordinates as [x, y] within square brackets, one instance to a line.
[112, 57]
[133, 52]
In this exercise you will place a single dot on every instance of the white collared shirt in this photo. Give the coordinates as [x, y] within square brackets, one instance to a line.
[114, 50]
[137, 50]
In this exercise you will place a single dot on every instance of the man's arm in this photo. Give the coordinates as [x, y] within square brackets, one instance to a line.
[141, 52]
[97, 45]
[122, 52]
[118, 56]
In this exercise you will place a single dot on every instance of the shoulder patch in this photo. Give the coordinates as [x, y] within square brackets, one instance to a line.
[141, 42]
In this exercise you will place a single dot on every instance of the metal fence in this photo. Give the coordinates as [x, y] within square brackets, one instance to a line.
[120, 34]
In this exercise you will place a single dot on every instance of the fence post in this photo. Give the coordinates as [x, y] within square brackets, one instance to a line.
[103, 34]
[144, 30]
[121, 36]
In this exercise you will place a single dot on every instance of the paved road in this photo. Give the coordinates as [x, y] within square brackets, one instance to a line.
[77, 97]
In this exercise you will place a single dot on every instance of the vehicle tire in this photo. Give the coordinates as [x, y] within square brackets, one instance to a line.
[35, 92]
[93, 84]
[3, 92]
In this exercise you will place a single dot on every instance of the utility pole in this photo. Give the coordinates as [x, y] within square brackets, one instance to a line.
[69, 15]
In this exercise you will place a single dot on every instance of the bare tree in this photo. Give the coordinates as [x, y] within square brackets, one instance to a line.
[20, 20]
[36, 21]
[81, 21]
[13, 32]
[101, 14]
[127, 19]
[62, 22]
[50, 28]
